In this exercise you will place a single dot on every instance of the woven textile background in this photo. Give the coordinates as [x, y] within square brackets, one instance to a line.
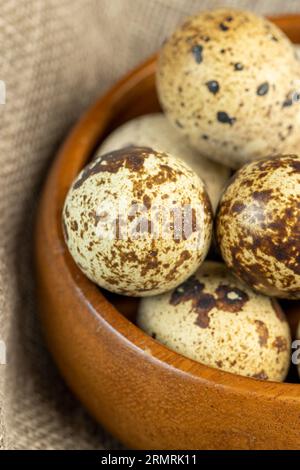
[56, 57]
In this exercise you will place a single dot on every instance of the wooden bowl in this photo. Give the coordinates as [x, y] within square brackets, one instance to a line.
[146, 395]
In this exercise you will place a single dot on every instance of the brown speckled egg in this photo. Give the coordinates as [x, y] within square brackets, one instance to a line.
[258, 225]
[137, 221]
[215, 319]
[155, 130]
[229, 81]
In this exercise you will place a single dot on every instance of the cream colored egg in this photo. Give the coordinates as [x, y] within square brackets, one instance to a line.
[218, 321]
[229, 81]
[154, 130]
[137, 221]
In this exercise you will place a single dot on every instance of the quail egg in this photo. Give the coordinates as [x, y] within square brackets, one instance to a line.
[258, 225]
[229, 81]
[215, 319]
[155, 130]
[137, 221]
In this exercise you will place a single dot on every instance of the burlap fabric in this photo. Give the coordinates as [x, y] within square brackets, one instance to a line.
[56, 57]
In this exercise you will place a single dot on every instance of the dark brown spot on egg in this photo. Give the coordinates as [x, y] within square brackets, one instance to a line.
[295, 165]
[289, 99]
[262, 196]
[129, 256]
[280, 344]
[74, 225]
[263, 332]
[166, 173]
[238, 207]
[147, 201]
[150, 263]
[223, 27]
[188, 290]
[287, 102]
[296, 96]
[135, 161]
[202, 303]
[197, 53]
[184, 256]
[202, 306]
[262, 89]
[260, 375]
[131, 158]
[238, 67]
[230, 299]
[207, 205]
[224, 118]
[213, 86]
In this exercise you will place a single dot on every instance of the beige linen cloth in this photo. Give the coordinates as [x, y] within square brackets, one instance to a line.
[56, 57]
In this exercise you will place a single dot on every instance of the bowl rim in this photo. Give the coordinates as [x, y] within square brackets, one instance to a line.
[79, 144]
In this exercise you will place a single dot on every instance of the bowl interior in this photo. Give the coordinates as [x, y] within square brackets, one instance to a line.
[139, 98]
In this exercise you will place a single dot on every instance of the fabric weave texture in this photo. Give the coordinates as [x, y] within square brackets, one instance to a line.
[57, 56]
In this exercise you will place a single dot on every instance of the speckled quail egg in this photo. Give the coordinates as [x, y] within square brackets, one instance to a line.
[137, 221]
[155, 130]
[215, 319]
[258, 225]
[229, 81]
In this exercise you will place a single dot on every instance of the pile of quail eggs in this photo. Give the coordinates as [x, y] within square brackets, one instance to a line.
[215, 176]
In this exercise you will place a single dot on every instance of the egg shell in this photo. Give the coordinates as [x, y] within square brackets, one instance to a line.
[229, 80]
[154, 130]
[215, 319]
[115, 227]
[258, 225]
